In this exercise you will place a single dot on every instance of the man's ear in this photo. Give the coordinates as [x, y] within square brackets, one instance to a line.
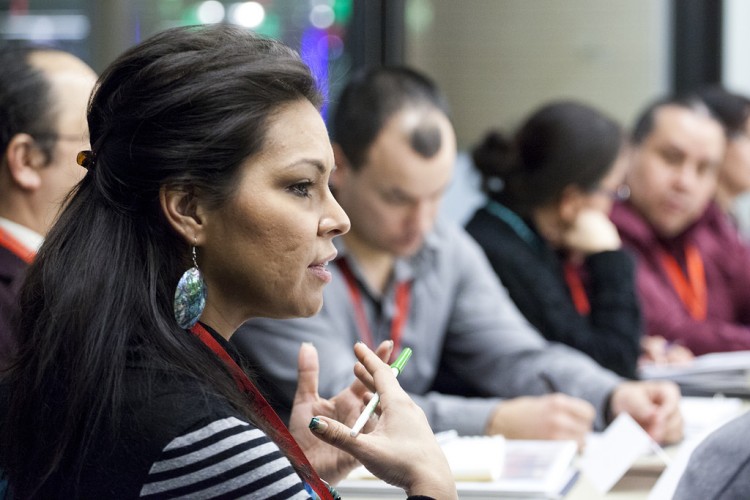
[343, 166]
[571, 202]
[184, 212]
[24, 161]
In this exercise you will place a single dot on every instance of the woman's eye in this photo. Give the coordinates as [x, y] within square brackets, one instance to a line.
[301, 188]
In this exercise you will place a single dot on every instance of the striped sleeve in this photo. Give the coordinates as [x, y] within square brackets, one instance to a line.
[227, 458]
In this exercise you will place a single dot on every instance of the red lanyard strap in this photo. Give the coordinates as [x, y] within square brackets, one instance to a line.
[16, 247]
[691, 288]
[577, 290]
[287, 443]
[402, 300]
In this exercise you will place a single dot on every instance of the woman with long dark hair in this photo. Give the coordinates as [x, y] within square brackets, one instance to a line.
[206, 202]
[546, 232]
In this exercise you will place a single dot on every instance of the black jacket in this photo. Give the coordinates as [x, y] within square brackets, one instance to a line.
[534, 277]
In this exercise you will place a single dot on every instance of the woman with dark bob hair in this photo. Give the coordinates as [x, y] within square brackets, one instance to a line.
[546, 232]
[205, 203]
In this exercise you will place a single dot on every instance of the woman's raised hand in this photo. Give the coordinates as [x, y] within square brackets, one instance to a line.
[592, 232]
[332, 464]
[400, 447]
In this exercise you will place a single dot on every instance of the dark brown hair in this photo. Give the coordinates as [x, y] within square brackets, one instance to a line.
[560, 144]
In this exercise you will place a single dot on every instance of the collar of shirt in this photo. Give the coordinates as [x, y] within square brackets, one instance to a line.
[28, 237]
[405, 269]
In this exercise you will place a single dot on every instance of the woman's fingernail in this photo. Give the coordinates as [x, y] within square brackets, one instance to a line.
[318, 425]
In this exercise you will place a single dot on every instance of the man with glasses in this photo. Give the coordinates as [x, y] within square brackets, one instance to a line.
[43, 98]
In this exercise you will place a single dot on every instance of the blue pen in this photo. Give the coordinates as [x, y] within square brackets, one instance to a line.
[396, 367]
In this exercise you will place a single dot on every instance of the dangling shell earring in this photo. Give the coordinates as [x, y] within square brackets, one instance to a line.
[190, 296]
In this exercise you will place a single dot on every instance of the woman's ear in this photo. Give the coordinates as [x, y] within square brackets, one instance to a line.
[184, 212]
[572, 200]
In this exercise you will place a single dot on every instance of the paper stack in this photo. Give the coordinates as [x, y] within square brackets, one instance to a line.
[490, 467]
[476, 458]
[726, 373]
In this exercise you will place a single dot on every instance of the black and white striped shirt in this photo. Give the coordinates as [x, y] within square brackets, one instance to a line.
[177, 438]
[227, 458]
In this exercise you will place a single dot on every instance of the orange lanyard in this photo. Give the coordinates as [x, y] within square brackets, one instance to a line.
[402, 299]
[577, 290]
[691, 288]
[16, 247]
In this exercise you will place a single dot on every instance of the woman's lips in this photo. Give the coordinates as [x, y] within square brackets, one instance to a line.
[321, 271]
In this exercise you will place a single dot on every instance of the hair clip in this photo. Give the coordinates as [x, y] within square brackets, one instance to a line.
[86, 159]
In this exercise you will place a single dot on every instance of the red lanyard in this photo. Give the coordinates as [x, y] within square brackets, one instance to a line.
[577, 290]
[403, 300]
[691, 288]
[287, 443]
[16, 247]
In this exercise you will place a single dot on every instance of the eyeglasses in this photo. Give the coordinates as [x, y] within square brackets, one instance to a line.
[61, 137]
[621, 193]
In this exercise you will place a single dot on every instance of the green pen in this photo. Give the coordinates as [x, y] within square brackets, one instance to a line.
[396, 367]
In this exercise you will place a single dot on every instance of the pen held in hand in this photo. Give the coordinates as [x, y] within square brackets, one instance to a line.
[396, 367]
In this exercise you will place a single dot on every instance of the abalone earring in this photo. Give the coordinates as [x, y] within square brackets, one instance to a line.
[190, 296]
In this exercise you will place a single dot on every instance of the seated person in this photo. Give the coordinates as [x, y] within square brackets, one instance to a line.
[547, 234]
[719, 468]
[43, 96]
[401, 274]
[205, 202]
[693, 271]
[733, 111]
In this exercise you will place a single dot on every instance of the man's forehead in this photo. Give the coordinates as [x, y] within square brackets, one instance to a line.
[52, 62]
[674, 120]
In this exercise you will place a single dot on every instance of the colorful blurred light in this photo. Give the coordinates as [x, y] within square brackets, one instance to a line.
[419, 15]
[314, 51]
[247, 14]
[322, 16]
[342, 10]
[333, 44]
[211, 12]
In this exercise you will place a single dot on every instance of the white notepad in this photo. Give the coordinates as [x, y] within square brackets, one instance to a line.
[490, 466]
[477, 458]
[474, 458]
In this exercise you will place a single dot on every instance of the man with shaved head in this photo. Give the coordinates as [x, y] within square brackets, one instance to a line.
[406, 276]
[43, 98]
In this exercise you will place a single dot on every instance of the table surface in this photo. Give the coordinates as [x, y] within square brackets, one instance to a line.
[633, 486]
[638, 482]
[630, 487]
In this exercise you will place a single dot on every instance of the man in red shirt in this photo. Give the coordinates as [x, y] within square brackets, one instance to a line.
[693, 271]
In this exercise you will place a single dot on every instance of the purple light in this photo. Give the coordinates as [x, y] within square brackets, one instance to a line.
[314, 52]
